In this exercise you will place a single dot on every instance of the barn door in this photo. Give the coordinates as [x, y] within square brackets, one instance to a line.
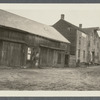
[50, 57]
[5, 54]
[15, 54]
[11, 54]
[43, 56]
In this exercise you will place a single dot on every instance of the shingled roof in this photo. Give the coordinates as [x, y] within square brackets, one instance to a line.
[8, 19]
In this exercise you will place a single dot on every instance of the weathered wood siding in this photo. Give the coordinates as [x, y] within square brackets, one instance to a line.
[14, 45]
[11, 35]
[11, 54]
[49, 50]
[51, 57]
[11, 48]
[34, 40]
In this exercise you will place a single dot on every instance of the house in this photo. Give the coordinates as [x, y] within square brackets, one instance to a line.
[78, 38]
[93, 44]
[99, 46]
[24, 42]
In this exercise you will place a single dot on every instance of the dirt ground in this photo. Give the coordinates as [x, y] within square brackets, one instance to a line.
[51, 79]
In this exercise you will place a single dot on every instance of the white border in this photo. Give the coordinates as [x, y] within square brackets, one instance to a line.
[50, 93]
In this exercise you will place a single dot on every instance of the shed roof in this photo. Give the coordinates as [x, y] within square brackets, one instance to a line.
[15, 21]
[91, 29]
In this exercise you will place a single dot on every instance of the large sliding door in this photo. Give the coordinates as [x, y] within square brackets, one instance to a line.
[12, 54]
[43, 56]
[50, 57]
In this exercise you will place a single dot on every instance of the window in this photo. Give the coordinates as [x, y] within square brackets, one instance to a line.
[29, 53]
[83, 54]
[78, 53]
[59, 58]
[89, 44]
[69, 29]
[79, 40]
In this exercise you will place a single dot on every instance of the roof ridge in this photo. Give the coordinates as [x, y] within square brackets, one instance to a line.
[80, 29]
[18, 22]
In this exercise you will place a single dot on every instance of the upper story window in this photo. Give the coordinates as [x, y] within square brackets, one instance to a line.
[79, 40]
[69, 29]
[84, 54]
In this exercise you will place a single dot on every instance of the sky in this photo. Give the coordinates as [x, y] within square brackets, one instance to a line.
[86, 14]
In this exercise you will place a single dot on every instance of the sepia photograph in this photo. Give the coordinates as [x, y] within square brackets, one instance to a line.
[50, 47]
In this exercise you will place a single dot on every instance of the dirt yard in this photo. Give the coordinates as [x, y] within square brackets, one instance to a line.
[51, 79]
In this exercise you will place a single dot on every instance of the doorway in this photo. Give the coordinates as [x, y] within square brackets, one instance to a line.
[66, 59]
[30, 57]
[93, 57]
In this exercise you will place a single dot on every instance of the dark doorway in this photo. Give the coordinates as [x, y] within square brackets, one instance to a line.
[66, 60]
[93, 57]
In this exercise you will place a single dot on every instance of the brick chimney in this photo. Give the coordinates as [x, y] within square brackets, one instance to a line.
[80, 25]
[62, 16]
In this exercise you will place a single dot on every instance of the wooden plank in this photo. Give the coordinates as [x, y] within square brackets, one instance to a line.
[52, 47]
[4, 59]
[12, 54]
[50, 57]
[43, 56]
[12, 40]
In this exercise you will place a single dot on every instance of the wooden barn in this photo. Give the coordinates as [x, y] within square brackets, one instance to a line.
[27, 43]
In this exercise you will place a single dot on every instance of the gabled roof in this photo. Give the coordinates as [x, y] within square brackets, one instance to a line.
[72, 25]
[17, 22]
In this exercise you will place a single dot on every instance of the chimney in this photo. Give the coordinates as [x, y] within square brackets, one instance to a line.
[80, 25]
[62, 16]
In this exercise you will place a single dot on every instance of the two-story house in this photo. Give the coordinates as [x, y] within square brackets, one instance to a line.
[78, 38]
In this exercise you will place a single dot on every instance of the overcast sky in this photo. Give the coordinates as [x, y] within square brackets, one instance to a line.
[86, 14]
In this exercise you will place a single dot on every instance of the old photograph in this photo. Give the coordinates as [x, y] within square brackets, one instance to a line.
[53, 47]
